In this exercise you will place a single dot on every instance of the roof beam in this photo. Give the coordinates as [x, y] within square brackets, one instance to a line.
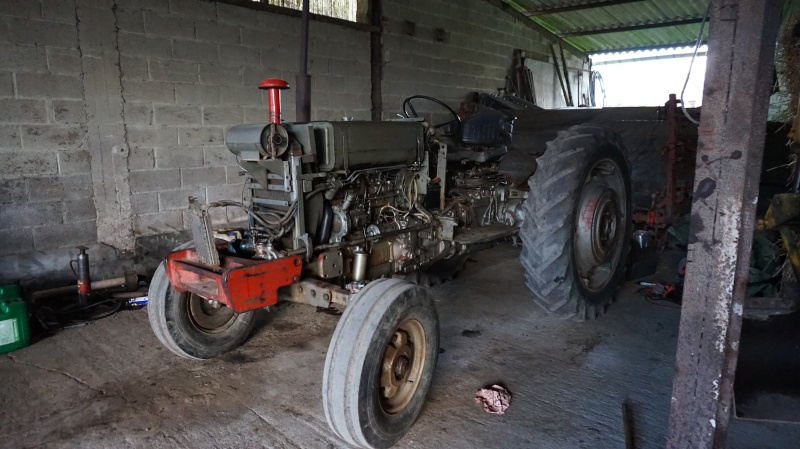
[525, 20]
[576, 7]
[648, 47]
[630, 28]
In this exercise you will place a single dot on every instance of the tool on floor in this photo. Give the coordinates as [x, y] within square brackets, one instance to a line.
[495, 399]
[627, 423]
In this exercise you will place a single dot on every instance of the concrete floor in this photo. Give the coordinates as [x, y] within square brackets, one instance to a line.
[110, 384]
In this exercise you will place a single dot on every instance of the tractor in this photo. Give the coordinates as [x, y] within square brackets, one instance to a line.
[364, 216]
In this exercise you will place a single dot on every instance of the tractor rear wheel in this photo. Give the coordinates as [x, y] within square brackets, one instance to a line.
[191, 326]
[380, 363]
[578, 223]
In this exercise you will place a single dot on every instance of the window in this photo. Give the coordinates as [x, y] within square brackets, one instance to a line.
[350, 10]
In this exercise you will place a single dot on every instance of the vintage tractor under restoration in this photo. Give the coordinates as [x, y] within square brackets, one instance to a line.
[363, 216]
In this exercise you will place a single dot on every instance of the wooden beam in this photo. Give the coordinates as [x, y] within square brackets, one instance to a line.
[544, 32]
[576, 7]
[621, 29]
[730, 149]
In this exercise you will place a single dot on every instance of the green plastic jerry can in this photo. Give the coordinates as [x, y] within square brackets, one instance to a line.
[13, 319]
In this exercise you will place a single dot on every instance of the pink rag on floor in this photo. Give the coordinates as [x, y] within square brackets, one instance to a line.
[494, 399]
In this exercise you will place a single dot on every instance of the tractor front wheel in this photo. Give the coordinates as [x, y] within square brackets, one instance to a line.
[380, 363]
[191, 326]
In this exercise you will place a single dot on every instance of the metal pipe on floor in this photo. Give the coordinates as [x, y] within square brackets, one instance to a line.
[129, 280]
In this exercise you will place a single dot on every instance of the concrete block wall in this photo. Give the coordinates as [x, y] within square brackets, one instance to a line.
[475, 54]
[46, 198]
[113, 112]
[190, 70]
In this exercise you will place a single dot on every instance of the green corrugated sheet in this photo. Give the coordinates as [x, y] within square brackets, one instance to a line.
[645, 12]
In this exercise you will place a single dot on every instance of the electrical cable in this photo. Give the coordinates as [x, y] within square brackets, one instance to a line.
[691, 64]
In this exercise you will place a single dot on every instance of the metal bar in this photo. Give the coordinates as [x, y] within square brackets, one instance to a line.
[544, 32]
[303, 80]
[621, 29]
[688, 44]
[728, 167]
[576, 7]
[558, 72]
[570, 101]
[376, 58]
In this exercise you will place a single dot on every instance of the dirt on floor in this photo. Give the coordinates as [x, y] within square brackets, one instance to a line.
[111, 384]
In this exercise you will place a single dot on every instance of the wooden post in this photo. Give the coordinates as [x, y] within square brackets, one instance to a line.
[730, 148]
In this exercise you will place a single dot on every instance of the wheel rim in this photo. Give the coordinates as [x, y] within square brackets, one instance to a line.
[600, 224]
[402, 366]
[208, 315]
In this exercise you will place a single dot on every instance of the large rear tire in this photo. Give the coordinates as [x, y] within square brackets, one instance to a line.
[190, 326]
[578, 223]
[380, 363]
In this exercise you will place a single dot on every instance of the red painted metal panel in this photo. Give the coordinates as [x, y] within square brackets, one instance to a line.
[241, 284]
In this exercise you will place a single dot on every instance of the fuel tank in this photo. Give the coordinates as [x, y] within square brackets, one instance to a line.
[346, 145]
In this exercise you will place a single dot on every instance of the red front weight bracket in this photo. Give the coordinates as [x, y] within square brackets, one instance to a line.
[241, 284]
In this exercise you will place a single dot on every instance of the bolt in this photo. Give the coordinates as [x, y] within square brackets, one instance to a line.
[313, 293]
[326, 297]
[296, 279]
[297, 262]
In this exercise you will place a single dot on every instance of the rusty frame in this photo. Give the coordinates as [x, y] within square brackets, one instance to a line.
[241, 284]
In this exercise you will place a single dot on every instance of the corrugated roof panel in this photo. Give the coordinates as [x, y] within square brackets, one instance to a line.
[636, 13]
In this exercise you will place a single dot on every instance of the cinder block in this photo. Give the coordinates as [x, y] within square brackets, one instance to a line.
[23, 215]
[261, 38]
[12, 190]
[16, 241]
[155, 180]
[45, 33]
[178, 157]
[168, 25]
[65, 235]
[69, 111]
[19, 163]
[224, 192]
[197, 94]
[149, 5]
[179, 199]
[79, 210]
[71, 162]
[138, 113]
[238, 16]
[130, 20]
[143, 203]
[195, 51]
[3, 31]
[33, 85]
[6, 84]
[223, 115]
[149, 137]
[200, 136]
[9, 136]
[134, 68]
[234, 175]
[59, 10]
[259, 114]
[220, 75]
[141, 158]
[217, 33]
[59, 187]
[218, 156]
[177, 115]
[174, 71]
[64, 61]
[22, 8]
[52, 136]
[154, 91]
[139, 45]
[19, 58]
[204, 176]
[235, 55]
[193, 9]
[241, 96]
[157, 223]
